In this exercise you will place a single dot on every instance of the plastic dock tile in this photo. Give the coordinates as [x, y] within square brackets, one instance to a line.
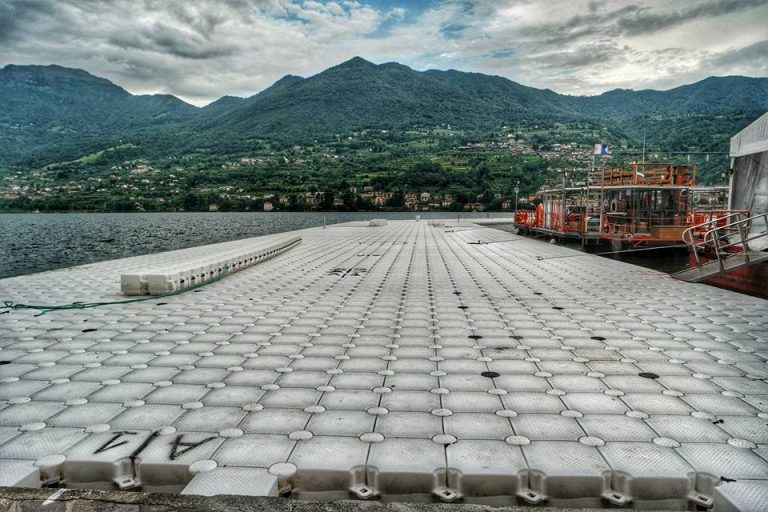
[211, 263]
[243, 481]
[741, 497]
[393, 360]
[19, 474]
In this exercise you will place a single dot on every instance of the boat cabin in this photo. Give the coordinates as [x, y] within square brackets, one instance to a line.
[634, 204]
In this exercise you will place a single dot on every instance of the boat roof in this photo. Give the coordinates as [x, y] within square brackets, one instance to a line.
[617, 187]
[752, 139]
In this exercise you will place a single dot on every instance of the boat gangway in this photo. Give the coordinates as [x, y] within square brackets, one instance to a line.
[722, 244]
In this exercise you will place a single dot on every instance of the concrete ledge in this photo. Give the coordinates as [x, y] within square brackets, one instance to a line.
[76, 500]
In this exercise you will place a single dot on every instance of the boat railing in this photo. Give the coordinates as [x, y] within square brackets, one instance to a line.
[574, 223]
[645, 174]
[727, 234]
[704, 220]
[667, 224]
[525, 217]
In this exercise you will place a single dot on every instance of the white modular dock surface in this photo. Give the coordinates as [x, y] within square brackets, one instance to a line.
[402, 362]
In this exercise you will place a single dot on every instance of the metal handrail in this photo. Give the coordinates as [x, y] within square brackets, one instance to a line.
[714, 216]
[689, 232]
[714, 237]
[706, 218]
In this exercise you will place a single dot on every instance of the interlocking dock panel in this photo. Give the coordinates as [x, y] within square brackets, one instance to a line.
[210, 263]
[405, 361]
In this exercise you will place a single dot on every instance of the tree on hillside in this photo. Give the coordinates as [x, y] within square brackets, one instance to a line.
[396, 201]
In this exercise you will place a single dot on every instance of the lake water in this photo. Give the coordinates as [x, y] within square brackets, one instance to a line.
[37, 242]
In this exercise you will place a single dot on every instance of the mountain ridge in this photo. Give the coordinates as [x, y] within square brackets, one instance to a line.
[54, 109]
[47, 107]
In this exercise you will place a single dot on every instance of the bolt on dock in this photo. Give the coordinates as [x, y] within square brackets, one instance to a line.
[412, 361]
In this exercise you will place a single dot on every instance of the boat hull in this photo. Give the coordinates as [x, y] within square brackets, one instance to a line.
[752, 280]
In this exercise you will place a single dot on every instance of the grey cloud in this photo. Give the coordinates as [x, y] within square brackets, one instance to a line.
[580, 57]
[164, 39]
[594, 6]
[8, 26]
[645, 21]
[203, 23]
[581, 26]
[755, 56]
[18, 17]
[560, 39]
[502, 53]
[273, 7]
[581, 53]
[203, 49]
[593, 19]
[453, 30]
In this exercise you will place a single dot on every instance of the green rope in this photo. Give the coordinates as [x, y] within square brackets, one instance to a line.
[8, 305]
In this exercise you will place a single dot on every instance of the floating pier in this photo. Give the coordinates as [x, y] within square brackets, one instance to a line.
[411, 361]
[209, 263]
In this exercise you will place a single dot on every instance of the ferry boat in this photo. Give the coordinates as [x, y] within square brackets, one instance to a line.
[633, 205]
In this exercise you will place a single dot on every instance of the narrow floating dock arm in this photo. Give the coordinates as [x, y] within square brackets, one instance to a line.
[191, 273]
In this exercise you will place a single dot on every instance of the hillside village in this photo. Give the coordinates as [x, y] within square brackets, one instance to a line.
[362, 171]
[357, 136]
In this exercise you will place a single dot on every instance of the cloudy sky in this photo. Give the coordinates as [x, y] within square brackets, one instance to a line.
[200, 50]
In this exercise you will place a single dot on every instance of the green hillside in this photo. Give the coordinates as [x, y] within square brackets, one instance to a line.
[359, 95]
[64, 113]
[54, 114]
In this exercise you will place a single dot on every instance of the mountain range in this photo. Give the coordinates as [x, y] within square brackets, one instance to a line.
[51, 113]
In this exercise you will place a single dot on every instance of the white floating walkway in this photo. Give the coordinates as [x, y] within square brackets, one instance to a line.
[403, 362]
[209, 263]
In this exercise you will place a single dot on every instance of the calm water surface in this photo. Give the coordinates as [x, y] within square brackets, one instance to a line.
[37, 242]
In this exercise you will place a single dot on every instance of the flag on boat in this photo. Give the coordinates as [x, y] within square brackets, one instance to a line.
[601, 149]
